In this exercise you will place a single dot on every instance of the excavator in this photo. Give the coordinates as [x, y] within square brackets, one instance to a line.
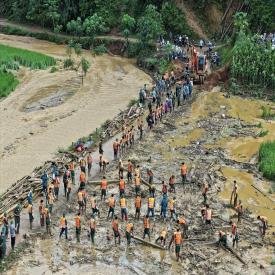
[197, 66]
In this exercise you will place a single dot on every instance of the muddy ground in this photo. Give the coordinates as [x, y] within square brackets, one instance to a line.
[49, 111]
[213, 135]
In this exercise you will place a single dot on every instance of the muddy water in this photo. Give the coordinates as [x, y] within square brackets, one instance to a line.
[27, 139]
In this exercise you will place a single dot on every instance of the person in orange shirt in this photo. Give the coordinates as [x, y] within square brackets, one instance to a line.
[92, 226]
[123, 208]
[63, 227]
[115, 229]
[172, 184]
[80, 201]
[121, 187]
[183, 224]
[129, 171]
[146, 223]
[183, 171]
[235, 235]
[56, 184]
[103, 188]
[138, 206]
[77, 227]
[71, 168]
[111, 203]
[129, 232]
[177, 238]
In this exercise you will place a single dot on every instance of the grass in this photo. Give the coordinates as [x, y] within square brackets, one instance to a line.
[267, 159]
[8, 83]
[11, 58]
[99, 50]
[267, 113]
[263, 133]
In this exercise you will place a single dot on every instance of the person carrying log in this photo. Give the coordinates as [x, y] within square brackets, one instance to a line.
[90, 163]
[42, 213]
[137, 206]
[263, 225]
[103, 188]
[116, 229]
[234, 194]
[183, 172]
[63, 227]
[129, 232]
[17, 212]
[146, 224]
[123, 208]
[162, 237]
[77, 226]
[92, 227]
[177, 238]
[111, 203]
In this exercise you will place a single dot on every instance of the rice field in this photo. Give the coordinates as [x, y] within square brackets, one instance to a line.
[11, 58]
[8, 83]
[267, 159]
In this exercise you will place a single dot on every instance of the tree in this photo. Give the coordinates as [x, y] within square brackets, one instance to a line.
[85, 65]
[75, 27]
[93, 25]
[150, 26]
[128, 24]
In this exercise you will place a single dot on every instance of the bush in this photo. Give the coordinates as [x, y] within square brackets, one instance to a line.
[99, 50]
[68, 63]
[8, 83]
[267, 159]
[267, 112]
[53, 69]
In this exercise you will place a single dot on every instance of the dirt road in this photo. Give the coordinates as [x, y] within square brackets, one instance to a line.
[31, 133]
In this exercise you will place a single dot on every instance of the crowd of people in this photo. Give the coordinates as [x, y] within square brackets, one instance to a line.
[162, 99]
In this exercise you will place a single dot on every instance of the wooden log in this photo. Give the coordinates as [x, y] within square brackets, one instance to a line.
[234, 253]
[255, 187]
[148, 243]
[99, 181]
[145, 182]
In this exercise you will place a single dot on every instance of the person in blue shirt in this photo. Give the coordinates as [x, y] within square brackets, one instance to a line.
[164, 204]
[45, 179]
[29, 197]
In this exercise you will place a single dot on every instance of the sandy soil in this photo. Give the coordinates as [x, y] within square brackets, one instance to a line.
[27, 139]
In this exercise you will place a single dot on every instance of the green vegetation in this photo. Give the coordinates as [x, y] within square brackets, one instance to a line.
[267, 112]
[53, 69]
[99, 50]
[11, 58]
[263, 133]
[267, 159]
[8, 83]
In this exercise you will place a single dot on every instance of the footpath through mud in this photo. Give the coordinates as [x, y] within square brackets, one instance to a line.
[201, 134]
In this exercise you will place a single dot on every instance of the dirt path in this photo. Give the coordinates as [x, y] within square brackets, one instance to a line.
[38, 29]
[27, 139]
[191, 18]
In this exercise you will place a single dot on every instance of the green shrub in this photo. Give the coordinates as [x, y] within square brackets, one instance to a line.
[267, 159]
[267, 112]
[8, 83]
[11, 57]
[263, 133]
[99, 50]
[68, 63]
[53, 69]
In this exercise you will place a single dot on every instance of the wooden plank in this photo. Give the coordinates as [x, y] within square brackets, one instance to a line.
[148, 243]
